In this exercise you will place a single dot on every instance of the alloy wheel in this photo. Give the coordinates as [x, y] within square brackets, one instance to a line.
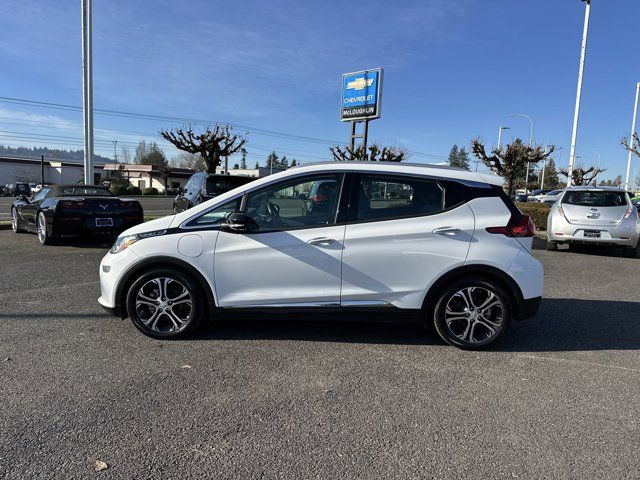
[14, 220]
[42, 228]
[164, 305]
[474, 315]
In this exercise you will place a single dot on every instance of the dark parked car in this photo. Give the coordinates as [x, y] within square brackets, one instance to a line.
[74, 210]
[17, 189]
[204, 186]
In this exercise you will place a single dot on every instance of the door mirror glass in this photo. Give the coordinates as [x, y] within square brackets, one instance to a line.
[239, 223]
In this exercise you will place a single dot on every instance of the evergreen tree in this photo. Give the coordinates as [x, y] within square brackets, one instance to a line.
[243, 162]
[257, 166]
[459, 157]
[236, 166]
[294, 162]
[283, 163]
[551, 179]
[272, 160]
[453, 155]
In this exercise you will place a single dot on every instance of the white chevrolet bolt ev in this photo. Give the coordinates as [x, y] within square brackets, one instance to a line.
[437, 245]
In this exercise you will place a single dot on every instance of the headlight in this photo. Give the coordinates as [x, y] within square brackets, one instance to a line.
[123, 242]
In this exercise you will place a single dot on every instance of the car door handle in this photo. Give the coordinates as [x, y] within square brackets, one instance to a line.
[446, 230]
[320, 241]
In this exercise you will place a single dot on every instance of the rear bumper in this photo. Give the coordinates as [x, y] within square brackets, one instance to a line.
[86, 226]
[624, 233]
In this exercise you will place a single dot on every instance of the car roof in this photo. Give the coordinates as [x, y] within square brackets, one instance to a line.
[596, 187]
[442, 171]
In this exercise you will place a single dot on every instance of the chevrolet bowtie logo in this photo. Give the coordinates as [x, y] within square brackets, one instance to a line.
[359, 83]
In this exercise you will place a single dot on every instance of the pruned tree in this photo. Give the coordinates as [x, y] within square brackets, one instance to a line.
[632, 145]
[165, 172]
[581, 176]
[372, 154]
[510, 161]
[212, 144]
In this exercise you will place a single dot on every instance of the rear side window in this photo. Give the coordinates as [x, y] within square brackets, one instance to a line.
[595, 198]
[382, 197]
[218, 186]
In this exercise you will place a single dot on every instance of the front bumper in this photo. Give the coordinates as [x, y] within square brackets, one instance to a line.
[112, 269]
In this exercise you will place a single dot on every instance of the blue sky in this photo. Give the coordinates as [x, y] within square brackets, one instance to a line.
[454, 70]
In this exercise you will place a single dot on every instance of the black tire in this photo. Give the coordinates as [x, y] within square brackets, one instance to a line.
[630, 252]
[472, 330]
[15, 222]
[165, 326]
[45, 236]
[551, 246]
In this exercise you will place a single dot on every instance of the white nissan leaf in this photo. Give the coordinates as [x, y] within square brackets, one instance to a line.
[431, 244]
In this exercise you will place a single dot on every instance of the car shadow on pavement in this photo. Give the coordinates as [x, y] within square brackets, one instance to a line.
[596, 250]
[560, 325]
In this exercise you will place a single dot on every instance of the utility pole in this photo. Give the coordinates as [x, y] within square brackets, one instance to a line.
[87, 92]
[576, 114]
[631, 141]
[42, 171]
[500, 135]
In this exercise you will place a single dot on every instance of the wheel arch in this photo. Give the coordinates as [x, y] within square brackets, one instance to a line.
[158, 262]
[486, 271]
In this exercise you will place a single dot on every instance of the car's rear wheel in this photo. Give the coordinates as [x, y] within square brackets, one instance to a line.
[165, 303]
[15, 221]
[44, 234]
[472, 313]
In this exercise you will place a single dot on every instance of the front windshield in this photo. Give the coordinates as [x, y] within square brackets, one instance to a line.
[85, 191]
[599, 198]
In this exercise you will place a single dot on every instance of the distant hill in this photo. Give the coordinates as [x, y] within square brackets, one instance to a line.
[49, 154]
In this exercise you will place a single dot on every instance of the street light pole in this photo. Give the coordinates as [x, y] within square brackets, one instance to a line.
[500, 135]
[526, 181]
[87, 92]
[115, 153]
[633, 130]
[576, 114]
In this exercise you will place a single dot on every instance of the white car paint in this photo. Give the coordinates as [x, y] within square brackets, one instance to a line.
[392, 262]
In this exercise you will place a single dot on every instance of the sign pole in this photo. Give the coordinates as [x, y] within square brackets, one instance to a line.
[365, 135]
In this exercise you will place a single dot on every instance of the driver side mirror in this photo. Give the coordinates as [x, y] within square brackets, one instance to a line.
[239, 223]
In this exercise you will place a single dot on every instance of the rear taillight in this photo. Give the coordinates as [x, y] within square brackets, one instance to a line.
[72, 204]
[128, 204]
[517, 227]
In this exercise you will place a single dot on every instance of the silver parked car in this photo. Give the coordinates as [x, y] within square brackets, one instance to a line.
[594, 215]
[550, 197]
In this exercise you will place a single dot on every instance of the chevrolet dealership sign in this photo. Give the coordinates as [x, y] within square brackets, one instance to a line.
[361, 95]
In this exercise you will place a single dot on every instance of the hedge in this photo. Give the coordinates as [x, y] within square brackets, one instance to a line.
[150, 191]
[537, 211]
[122, 189]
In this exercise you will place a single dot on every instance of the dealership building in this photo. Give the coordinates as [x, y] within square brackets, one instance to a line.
[14, 169]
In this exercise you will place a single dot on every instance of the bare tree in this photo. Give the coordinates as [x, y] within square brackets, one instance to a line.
[212, 144]
[372, 154]
[510, 161]
[581, 176]
[632, 145]
[24, 175]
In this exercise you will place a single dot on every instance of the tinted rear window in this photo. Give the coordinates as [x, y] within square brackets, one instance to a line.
[82, 190]
[595, 199]
[217, 186]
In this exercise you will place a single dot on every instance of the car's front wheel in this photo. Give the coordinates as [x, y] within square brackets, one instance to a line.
[165, 303]
[472, 313]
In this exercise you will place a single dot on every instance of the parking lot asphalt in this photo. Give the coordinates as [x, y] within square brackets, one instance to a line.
[557, 398]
